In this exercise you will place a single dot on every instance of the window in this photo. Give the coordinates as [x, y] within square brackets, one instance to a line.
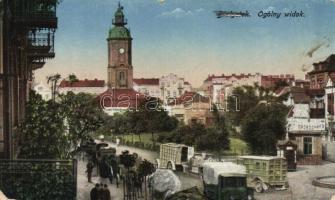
[307, 145]
[331, 104]
[233, 182]
[122, 79]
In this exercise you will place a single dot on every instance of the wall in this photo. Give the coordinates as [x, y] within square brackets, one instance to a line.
[330, 151]
[151, 90]
[89, 90]
[1, 85]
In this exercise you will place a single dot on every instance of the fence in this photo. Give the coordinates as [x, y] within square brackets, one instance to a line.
[39, 179]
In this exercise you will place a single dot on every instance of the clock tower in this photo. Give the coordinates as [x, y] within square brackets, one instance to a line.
[120, 69]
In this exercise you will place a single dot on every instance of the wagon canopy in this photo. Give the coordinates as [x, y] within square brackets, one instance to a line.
[212, 171]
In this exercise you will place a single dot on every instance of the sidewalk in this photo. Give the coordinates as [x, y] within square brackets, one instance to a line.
[84, 187]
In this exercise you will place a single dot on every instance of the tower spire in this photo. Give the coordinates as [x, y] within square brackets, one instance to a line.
[119, 19]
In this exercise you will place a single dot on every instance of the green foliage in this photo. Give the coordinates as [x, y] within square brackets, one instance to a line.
[42, 132]
[215, 139]
[53, 80]
[127, 160]
[72, 78]
[52, 130]
[150, 118]
[280, 84]
[146, 168]
[245, 98]
[38, 180]
[263, 125]
[83, 116]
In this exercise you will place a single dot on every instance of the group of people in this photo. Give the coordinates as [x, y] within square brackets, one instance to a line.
[100, 192]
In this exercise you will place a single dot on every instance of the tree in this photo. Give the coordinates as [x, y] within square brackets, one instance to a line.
[241, 100]
[150, 117]
[245, 98]
[216, 139]
[127, 160]
[42, 132]
[263, 125]
[279, 84]
[53, 79]
[83, 115]
[145, 169]
[72, 78]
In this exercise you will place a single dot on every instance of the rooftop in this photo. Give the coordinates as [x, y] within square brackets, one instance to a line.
[146, 81]
[82, 83]
[324, 66]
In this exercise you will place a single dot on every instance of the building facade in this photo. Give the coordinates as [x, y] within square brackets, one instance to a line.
[190, 108]
[120, 69]
[172, 86]
[220, 87]
[147, 86]
[93, 87]
[120, 95]
[27, 41]
[321, 72]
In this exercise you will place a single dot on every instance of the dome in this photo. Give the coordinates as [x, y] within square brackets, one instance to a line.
[119, 32]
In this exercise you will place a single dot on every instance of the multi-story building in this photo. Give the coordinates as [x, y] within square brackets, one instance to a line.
[93, 87]
[27, 40]
[219, 87]
[147, 86]
[190, 108]
[321, 72]
[269, 81]
[306, 123]
[233, 80]
[172, 86]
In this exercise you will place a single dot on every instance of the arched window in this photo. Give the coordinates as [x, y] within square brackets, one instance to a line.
[122, 79]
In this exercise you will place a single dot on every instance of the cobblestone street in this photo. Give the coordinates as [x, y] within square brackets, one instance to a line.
[300, 181]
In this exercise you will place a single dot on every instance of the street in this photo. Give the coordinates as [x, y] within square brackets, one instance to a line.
[301, 187]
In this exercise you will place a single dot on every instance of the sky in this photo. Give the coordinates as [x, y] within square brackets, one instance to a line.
[185, 37]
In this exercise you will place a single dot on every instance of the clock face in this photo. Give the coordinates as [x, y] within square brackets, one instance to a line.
[121, 50]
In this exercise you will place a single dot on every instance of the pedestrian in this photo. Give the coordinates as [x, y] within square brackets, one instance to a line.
[106, 195]
[95, 192]
[89, 170]
[101, 191]
[111, 174]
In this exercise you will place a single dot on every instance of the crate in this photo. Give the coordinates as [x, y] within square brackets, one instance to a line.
[271, 170]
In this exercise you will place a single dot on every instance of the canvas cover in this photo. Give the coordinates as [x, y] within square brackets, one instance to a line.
[164, 180]
[212, 170]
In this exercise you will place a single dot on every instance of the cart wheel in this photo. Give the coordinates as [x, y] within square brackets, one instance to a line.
[259, 187]
[169, 166]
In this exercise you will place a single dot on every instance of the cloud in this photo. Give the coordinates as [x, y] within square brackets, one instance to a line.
[179, 12]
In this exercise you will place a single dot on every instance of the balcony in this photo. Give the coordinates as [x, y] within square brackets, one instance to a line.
[35, 13]
[37, 64]
[41, 44]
